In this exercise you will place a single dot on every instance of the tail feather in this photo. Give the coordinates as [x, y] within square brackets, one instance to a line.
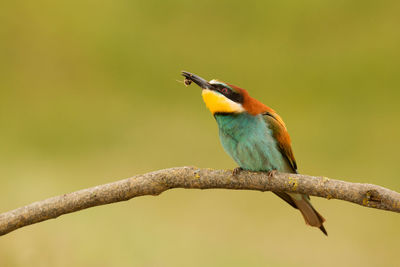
[311, 216]
[322, 228]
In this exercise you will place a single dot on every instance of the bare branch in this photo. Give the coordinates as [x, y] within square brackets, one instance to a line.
[154, 183]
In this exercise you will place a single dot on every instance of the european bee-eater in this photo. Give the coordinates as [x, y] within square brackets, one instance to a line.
[255, 136]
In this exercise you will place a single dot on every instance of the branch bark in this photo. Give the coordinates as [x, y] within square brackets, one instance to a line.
[154, 183]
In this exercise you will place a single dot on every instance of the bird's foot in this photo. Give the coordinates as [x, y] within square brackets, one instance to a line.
[271, 173]
[236, 171]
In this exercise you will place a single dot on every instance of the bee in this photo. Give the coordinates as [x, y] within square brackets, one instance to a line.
[187, 82]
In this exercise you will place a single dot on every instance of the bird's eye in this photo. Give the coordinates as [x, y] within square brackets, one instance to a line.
[224, 90]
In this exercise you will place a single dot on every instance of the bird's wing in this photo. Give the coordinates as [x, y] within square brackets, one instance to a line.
[276, 124]
[298, 201]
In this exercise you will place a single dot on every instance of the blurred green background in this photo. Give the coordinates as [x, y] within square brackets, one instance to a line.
[88, 95]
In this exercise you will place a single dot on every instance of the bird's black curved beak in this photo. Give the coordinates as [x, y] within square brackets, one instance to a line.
[197, 80]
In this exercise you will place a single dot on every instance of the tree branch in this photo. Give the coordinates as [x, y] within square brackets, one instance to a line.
[154, 183]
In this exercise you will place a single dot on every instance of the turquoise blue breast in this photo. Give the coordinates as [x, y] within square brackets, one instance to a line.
[249, 141]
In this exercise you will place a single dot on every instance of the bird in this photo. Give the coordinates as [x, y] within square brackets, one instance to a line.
[255, 136]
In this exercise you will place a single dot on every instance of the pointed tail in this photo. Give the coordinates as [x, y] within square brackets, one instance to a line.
[311, 216]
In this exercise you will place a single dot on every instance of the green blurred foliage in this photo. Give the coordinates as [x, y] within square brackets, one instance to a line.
[88, 95]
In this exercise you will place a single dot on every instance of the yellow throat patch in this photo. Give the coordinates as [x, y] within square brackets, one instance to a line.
[218, 103]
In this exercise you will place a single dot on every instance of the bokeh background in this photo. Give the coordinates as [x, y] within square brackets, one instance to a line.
[88, 95]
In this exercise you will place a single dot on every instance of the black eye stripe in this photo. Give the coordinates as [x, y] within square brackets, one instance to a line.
[229, 93]
[236, 97]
